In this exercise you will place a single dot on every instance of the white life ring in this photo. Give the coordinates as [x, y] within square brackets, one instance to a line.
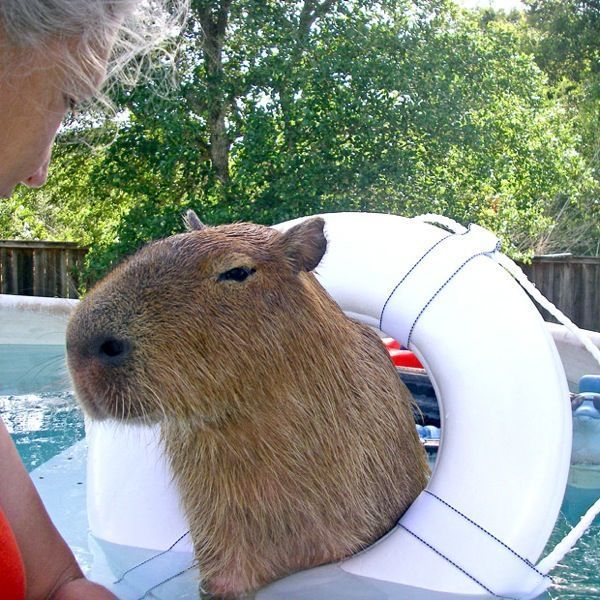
[492, 501]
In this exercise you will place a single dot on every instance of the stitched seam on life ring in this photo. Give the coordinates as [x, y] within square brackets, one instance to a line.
[522, 558]
[150, 559]
[484, 253]
[408, 273]
[472, 577]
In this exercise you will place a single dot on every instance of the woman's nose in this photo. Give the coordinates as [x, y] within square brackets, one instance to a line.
[39, 177]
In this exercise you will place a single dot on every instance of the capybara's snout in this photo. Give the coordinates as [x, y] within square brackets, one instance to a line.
[97, 339]
[105, 349]
[99, 360]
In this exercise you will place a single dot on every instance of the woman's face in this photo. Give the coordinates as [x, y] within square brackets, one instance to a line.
[31, 110]
[34, 99]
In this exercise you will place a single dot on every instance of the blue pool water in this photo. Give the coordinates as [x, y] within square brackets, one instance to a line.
[26, 368]
[578, 576]
[44, 424]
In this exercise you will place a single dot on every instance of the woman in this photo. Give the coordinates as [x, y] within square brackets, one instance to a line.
[53, 55]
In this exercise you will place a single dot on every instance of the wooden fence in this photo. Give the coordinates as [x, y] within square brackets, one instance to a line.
[571, 283]
[51, 269]
[40, 268]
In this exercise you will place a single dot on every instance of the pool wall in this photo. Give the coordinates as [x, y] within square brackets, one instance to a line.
[577, 361]
[32, 344]
[34, 320]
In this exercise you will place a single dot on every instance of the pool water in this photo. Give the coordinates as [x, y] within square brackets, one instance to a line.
[44, 425]
[26, 368]
[578, 576]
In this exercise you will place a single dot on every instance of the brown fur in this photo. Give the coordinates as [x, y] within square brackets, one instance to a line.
[290, 435]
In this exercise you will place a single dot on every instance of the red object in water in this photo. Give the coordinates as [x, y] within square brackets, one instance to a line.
[391, 343]
[400, 356]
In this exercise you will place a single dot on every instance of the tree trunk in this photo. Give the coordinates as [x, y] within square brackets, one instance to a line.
[213, 21]
[213, 17]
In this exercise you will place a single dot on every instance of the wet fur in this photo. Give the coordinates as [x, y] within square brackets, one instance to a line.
[290, 435]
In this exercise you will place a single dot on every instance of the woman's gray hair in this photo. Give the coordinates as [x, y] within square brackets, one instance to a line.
[88, 29]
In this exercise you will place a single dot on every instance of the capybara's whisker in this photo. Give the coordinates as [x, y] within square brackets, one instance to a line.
[290, 437]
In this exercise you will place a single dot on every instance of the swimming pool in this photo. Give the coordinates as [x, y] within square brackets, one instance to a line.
[48, 429]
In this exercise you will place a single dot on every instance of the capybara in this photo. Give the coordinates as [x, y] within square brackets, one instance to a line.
[290, 435]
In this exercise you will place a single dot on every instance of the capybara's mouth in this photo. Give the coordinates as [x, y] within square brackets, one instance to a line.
[108, 401]
[106, 393]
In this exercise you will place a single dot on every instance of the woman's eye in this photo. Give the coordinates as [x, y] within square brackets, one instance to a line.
[236, 274]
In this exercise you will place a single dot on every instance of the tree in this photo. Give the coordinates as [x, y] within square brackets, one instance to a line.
[569, 43]
[290, 108]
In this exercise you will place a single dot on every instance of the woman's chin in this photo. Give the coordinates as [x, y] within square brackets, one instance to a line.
[6, 190]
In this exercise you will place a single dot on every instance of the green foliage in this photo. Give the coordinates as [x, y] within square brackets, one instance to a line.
[569, 40]
[290, 108]
[567, 48]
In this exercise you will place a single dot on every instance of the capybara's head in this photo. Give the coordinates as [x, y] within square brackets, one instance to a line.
[290, 436]
[182, 327]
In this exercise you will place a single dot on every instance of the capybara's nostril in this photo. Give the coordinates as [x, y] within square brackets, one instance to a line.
[112, 351]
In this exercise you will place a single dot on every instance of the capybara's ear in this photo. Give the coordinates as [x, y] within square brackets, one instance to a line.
[192, 222]
[304, 244]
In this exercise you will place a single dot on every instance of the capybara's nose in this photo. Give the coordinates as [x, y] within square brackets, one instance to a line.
[111, 351]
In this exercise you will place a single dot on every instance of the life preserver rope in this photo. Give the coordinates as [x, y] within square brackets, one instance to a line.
[406, 275]
[435, 294]
[492, 536]
[524, 282]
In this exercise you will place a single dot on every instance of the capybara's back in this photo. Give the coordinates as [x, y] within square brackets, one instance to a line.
[289, 432]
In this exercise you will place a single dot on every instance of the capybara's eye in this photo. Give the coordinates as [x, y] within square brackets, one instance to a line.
[236, 274]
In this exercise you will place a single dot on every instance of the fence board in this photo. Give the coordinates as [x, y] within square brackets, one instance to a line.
[40, 268]
[61, 269]
[14, 270]
[5, 276]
